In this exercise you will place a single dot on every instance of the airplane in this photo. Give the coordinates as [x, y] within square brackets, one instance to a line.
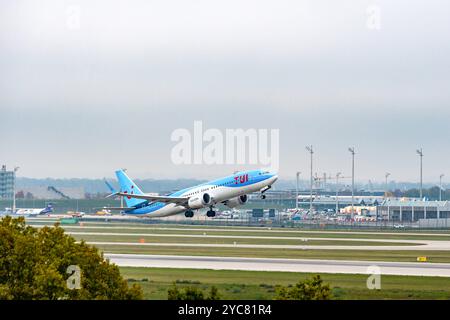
[34, 211]
[231, 191]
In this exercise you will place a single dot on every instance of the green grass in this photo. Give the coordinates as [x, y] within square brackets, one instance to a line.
[367, 255]
[260, 285]
[272, 233]
[212, 240]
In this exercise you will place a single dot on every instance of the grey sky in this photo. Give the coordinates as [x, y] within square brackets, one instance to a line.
[81, 102]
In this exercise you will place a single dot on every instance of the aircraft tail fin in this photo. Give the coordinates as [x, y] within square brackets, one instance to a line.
[48, 208]
[128, 186]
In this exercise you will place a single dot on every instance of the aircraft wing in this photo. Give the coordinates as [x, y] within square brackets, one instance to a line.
[165, 199]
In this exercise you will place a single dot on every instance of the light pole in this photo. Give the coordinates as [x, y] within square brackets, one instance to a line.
[440, 186]
[386, 185]
[296, 198]
[337, 191]
[14, 190]
[352, 151]
[310, 150]
[121, 198]
[420, 153]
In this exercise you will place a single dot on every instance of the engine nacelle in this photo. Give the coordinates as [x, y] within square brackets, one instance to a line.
[238, 201]
[199, 202]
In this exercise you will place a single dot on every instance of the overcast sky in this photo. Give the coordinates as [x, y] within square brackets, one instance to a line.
[87, 87]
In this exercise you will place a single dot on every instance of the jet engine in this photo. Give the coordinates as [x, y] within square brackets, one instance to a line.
[198, 202]
[238, 201]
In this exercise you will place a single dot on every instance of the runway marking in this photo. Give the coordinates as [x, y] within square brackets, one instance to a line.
[156, 235]
[428, 247]
[276, 264]
[259, 230]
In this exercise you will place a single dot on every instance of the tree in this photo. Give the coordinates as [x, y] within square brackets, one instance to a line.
[309, 289]
[191, 293]
[34, 265]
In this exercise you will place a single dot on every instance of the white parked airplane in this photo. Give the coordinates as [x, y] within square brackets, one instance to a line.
[34, 211]
[231, 191]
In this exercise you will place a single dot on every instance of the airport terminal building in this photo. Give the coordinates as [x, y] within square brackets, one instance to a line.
[413, 210]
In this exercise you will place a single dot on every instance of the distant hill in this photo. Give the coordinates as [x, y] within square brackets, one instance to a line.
[94, 186]
[98, 185]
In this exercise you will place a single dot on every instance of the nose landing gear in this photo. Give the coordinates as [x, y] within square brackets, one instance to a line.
[189, 214]
[263, 196]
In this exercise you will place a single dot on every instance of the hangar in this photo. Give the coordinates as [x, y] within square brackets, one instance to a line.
[413, 210]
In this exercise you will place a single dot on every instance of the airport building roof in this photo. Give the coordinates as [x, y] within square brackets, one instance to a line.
[414, 203]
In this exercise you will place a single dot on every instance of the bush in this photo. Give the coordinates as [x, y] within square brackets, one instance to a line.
[191, 293]
[187, 281]
[309, 289]
[34, 265]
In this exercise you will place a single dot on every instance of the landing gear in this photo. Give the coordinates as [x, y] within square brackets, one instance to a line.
[211, 213]
[263, 196]
[189, 214]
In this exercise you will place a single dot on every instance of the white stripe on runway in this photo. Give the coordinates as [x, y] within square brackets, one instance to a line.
[169, 235]
[429, 247]
[290, 265]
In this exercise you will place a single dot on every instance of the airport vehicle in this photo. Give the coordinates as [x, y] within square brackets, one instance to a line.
[231, 191]
[34, 211]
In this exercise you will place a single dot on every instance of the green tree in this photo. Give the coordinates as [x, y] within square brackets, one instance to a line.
[34, 264]
[309, 289]
[191, 293]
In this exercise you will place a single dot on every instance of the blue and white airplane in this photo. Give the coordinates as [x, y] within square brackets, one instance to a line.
[231, 191]
[33, 211]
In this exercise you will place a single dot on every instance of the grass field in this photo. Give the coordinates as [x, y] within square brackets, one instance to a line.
[199, 226]
[212, 240]
[367, 255]
[261, 285]
[152, 233]
[260, 233]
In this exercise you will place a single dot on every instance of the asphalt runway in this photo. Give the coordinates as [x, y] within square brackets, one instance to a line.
[289, 265]
[256, 229]
[425, 246]
[205, 236]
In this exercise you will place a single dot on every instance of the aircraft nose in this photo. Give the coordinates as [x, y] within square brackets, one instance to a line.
[274, 177]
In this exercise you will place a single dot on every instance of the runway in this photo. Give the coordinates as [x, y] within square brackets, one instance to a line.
[288, 265]
[256, 229]
[205, 236]
[425, 245]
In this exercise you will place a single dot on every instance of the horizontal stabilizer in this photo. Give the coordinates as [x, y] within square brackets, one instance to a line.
[117, 208]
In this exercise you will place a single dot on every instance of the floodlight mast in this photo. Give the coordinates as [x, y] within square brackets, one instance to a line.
[420, 153]
[311, 151]
[352, 151]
